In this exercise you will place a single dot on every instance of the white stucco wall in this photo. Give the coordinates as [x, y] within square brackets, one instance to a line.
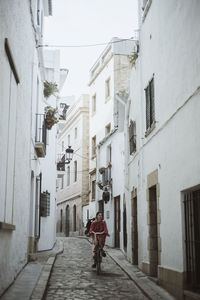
[113, 64]
[173, 146]
[15, 23]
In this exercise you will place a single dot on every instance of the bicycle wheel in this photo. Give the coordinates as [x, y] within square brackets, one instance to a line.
[98, 263]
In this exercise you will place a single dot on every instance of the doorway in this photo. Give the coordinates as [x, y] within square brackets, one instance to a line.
[67, 220]
[124, 226]
[134, 231]
[153, 232]
[192, 239]
[117, 221]
[101, 207]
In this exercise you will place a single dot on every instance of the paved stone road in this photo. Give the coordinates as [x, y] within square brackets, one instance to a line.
[73, 278]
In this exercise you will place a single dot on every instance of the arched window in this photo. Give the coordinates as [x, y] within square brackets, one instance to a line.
[74, 217]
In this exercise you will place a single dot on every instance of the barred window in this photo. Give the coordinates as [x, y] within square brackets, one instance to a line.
[150, 105]
[132, 137]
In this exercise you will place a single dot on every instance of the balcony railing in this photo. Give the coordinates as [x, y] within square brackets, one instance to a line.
[40, 135]
[61, 163]
[106, 176]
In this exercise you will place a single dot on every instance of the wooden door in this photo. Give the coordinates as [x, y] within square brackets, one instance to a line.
[117, 221]
[134, 232]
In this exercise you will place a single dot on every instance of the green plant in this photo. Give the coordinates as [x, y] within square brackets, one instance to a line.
[133, 57]
[50, 88]
[51, 116]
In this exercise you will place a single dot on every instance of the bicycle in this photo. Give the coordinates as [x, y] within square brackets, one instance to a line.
[99, 251]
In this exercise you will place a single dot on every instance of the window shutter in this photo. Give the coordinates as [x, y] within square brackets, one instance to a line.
[152, 105]
[147, 108]
[131, 137]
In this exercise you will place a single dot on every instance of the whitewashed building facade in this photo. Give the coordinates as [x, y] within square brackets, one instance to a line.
[162, 151]
[21, 25]
[73, 183]
[108, 76]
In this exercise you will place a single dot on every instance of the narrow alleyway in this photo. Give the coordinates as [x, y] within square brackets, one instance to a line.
[73, 278]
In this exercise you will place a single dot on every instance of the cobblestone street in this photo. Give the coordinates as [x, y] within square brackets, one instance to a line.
[73, 278]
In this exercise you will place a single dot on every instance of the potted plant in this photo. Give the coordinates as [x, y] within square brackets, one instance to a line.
[133, 57]
[50, 88]
[102, 170]
[51, 116]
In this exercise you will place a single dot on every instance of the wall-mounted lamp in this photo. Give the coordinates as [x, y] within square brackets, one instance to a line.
[69, 154]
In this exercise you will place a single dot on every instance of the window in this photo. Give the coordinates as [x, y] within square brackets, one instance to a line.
[61, 219]
[75, 171]
[107, 129]
[68, 175]
[150, 106]
[75, 133]
[45, 204]
[132, 137]
[108, 154]
[62, 182]
[94, 104]
[63, 146]
[74, 217]
[94, 146]
[107, 88]
[68, 139]
[93, 189]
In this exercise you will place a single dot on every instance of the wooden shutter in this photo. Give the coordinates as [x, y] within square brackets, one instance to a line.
[148, 123]
[152, 105]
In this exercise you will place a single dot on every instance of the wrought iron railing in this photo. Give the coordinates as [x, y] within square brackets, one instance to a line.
[40, 131]
[106, 176]
[61, 163]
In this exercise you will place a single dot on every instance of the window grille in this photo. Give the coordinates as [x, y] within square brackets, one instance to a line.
[45, 204]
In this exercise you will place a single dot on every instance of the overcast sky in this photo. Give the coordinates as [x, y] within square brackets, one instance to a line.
[80, 22]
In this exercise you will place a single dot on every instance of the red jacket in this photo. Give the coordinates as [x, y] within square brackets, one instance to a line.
[99, 227]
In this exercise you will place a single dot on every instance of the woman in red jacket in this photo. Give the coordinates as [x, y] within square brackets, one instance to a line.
[100, 228]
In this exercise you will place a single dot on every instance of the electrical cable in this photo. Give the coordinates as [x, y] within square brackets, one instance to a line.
[84, 46]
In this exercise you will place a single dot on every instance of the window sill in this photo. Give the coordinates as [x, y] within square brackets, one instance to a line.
[149, 130]
[7, 226]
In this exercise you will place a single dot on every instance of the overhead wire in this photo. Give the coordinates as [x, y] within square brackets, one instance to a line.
[84, 45]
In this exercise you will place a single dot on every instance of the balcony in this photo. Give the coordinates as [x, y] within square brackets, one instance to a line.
[61, 166]
[106, 177]
[40, 135]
